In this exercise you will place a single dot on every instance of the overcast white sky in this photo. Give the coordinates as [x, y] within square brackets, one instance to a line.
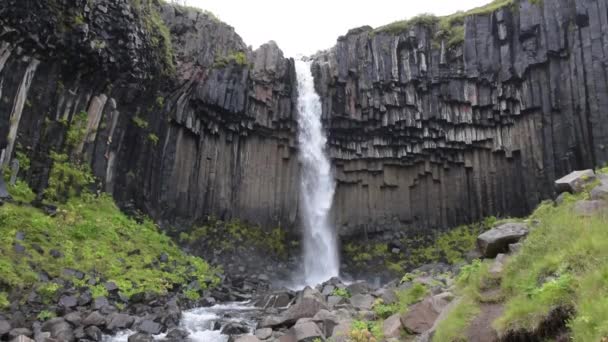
[306, 26]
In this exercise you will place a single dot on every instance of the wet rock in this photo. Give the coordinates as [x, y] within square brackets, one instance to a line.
[94, 318]
[149, 327]
[118, 321]
[264, 333]
[177, 335]
[497, 239]
[140, 337]
[234, 328]
[59, 329]
[93, 333]
[574, 182]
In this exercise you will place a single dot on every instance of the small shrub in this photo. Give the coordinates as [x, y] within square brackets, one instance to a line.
[140, 122]
[67, 179]
[341, 292]
[45, 315]
[77, 130]
[153, 138]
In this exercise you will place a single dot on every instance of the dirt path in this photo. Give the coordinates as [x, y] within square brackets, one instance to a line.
[480, 329]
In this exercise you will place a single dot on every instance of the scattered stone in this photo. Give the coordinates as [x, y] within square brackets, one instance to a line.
[497, 239]
[93, 332]
[94, 318]
[575, 181]
[589, 208]
[18, 248]
[362, 301]
[140, 337]
[20, 332]
[100, 302]
[20, 236]
[5, 327]
[59, 329]
[68, 302]
[164, 258]
[68, 272]
[247, 338]
[74, 318]
[498, 265]
[421, 316]
[306, 331]
[118, 321]
[392, 326]
[234, 328]
[55, 253]
[263, 333]
[4, 195]
[358, 288]
[149, 327]
[111, 286]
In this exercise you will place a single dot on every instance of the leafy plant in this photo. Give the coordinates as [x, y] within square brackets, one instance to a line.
[341, 292]
[45, 315]
[67, 179]
[140, 122]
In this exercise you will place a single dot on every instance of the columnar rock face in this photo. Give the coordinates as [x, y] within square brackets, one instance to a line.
[205, 129]
[425, 135]
[183, 120]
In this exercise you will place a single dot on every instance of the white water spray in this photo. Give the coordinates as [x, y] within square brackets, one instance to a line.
[321, 260]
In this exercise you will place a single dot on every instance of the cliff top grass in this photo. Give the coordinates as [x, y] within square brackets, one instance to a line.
[563, 265]
[94, 237]
[449, 28]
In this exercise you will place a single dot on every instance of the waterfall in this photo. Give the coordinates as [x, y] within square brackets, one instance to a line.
[321, 260]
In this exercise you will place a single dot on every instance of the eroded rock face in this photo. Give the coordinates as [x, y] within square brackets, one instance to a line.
[424, 135]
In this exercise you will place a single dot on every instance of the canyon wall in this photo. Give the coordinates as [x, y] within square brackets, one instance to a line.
[430, 132]
[177, 117]
[183, 120]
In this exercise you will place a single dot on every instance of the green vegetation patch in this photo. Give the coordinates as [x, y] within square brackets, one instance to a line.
[96, 238]
[228, 236]
[237, 58]
[158, 32]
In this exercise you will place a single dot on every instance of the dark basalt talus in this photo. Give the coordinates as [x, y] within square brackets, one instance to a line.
[426, 136]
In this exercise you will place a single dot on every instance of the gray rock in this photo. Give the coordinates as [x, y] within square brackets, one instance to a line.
[18, 248]
[93, 333]
[140, 337]
[421, 316]
[234, 328]
[177, 335]
[306, 332]
[22, 338]
[100, 302]
[515, 247]
[498, 265]
[19, 332]
[600, 192]
[111, 286]
[263, 333]
[94, 318]
[589, 208]
[5, 327]
[362, 301]
[308, 303]
[341, 332]
[59, 329]
[118, 321]
[68, 302]
[497, 239]
[358, 288]
[149, 327]
[392, 327]
[575, 181]
[4, 195]
[247, 338]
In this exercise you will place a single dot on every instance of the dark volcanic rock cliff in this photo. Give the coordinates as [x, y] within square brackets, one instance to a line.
[184, 120]
[182, 117]
[425, 135]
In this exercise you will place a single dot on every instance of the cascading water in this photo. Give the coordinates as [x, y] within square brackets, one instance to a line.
[321, 260]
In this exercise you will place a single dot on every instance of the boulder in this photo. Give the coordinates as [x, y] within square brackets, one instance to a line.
[20, 332]
[574, 182]
[306, 332]
[359, 287]
[178, 335]
[421, 316]
[264, 333]
[68, 302]
[497, 239]
[149, 327]
[74, 318]
[332, 301]
[234, 328]
[600, 192]
[59, 329]
[118, 321]
[326, 321]
[93, 333]
[392, 326]
[307, 304]
[362, 301]
[341, 331]
[5, 327]
[247, 338]
[22, 338]
[94, 318]
[589, 208]
[498, 265]
[140, 337]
